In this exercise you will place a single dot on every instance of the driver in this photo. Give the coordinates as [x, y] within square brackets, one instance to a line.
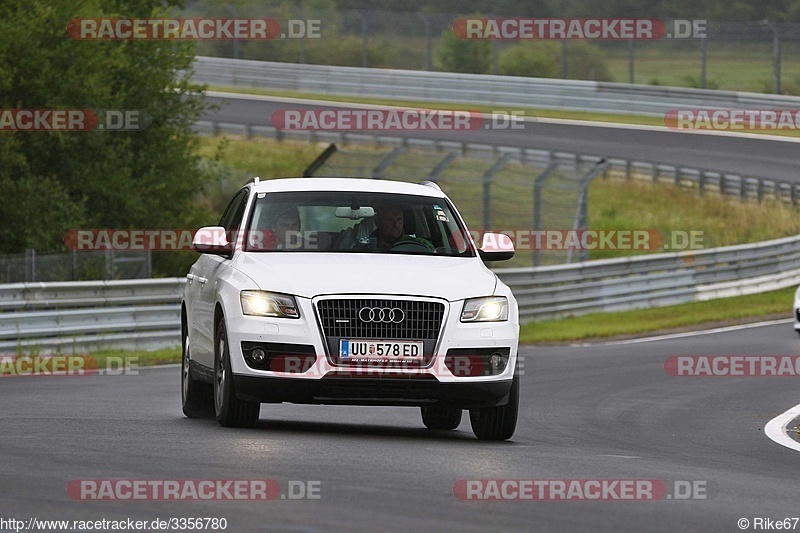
[389, 230]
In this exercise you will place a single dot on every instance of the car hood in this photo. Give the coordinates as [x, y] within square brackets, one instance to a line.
[313, 274]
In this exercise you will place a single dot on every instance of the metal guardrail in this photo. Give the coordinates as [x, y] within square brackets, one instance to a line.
[74, 317]
[139, 314]
[476, 89]
[654, 280]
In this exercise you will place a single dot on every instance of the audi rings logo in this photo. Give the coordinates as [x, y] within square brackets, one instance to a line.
[386, 315]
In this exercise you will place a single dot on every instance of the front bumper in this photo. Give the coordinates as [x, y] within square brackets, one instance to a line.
[343, 390]
[326, 382]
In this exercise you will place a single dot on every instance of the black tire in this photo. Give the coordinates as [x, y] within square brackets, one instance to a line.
[230, 411]
[441, 416]
[196, 399]
[497, 423]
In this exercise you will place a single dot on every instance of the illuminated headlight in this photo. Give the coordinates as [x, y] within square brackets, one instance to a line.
[263, 303]
[488, 309]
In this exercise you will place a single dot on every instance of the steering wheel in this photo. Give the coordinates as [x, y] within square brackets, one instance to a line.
[409, 245]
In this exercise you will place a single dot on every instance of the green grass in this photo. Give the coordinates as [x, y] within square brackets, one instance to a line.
[730, 66]
[115, 361]
[725, 311]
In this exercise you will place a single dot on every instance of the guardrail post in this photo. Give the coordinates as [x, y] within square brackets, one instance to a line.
[776, 53]
[760, 189]
[428, 40]
[30, 264]
[538, 183]
[443, 164]
[630, 61]
[109, 265]
[793, 193]
[703, 58]
[363, 22]
[581, 217]
[701, 183]
[379, 169]
[487, 189]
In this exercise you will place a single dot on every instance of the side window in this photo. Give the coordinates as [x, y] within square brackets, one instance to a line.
[232, 218]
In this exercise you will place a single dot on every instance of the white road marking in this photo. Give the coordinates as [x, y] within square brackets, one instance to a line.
[687, 333]
[777, 431]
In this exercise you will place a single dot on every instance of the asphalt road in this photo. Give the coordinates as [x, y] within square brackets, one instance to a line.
[588, 412]
[741, 155]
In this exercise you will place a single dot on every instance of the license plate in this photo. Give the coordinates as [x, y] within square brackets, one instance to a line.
[358, 351]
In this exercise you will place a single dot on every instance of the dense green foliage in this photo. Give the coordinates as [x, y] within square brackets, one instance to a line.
[53, 181]
[714, 9]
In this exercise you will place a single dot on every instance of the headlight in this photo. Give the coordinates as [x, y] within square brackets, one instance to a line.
[487, 309]
[263, 303]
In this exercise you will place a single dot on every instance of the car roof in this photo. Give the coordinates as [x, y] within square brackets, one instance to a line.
[347, 184]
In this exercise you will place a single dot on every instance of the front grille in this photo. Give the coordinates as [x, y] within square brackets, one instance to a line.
[340, 318]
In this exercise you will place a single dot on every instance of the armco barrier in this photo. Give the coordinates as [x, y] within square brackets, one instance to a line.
[475, 89]
[73, 317]
[141, 314]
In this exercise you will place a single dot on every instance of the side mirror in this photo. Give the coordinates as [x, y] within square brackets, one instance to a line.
[496, 247]
[212, 240]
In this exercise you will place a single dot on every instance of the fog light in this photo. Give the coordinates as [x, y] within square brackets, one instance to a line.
[258, 355]
[498, 362]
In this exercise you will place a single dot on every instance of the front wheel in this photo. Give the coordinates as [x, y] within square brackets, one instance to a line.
[230, 410]
[195, 395]
[441, 416]
[497, 423]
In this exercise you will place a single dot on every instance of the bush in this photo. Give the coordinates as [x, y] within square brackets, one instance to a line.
[454, 54]
[542, 59]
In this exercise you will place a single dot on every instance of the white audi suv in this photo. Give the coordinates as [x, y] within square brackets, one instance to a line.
[349, 291]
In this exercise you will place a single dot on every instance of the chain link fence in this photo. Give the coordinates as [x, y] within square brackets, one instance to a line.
[74, 266]
[510, 192]
[758, 56]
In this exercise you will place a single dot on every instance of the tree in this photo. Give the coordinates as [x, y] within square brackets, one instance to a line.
[463, 55]
[57, 180]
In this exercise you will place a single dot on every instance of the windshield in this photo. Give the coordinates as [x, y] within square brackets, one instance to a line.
[355, 222]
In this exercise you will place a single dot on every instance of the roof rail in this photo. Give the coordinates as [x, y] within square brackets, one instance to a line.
[431, 184]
